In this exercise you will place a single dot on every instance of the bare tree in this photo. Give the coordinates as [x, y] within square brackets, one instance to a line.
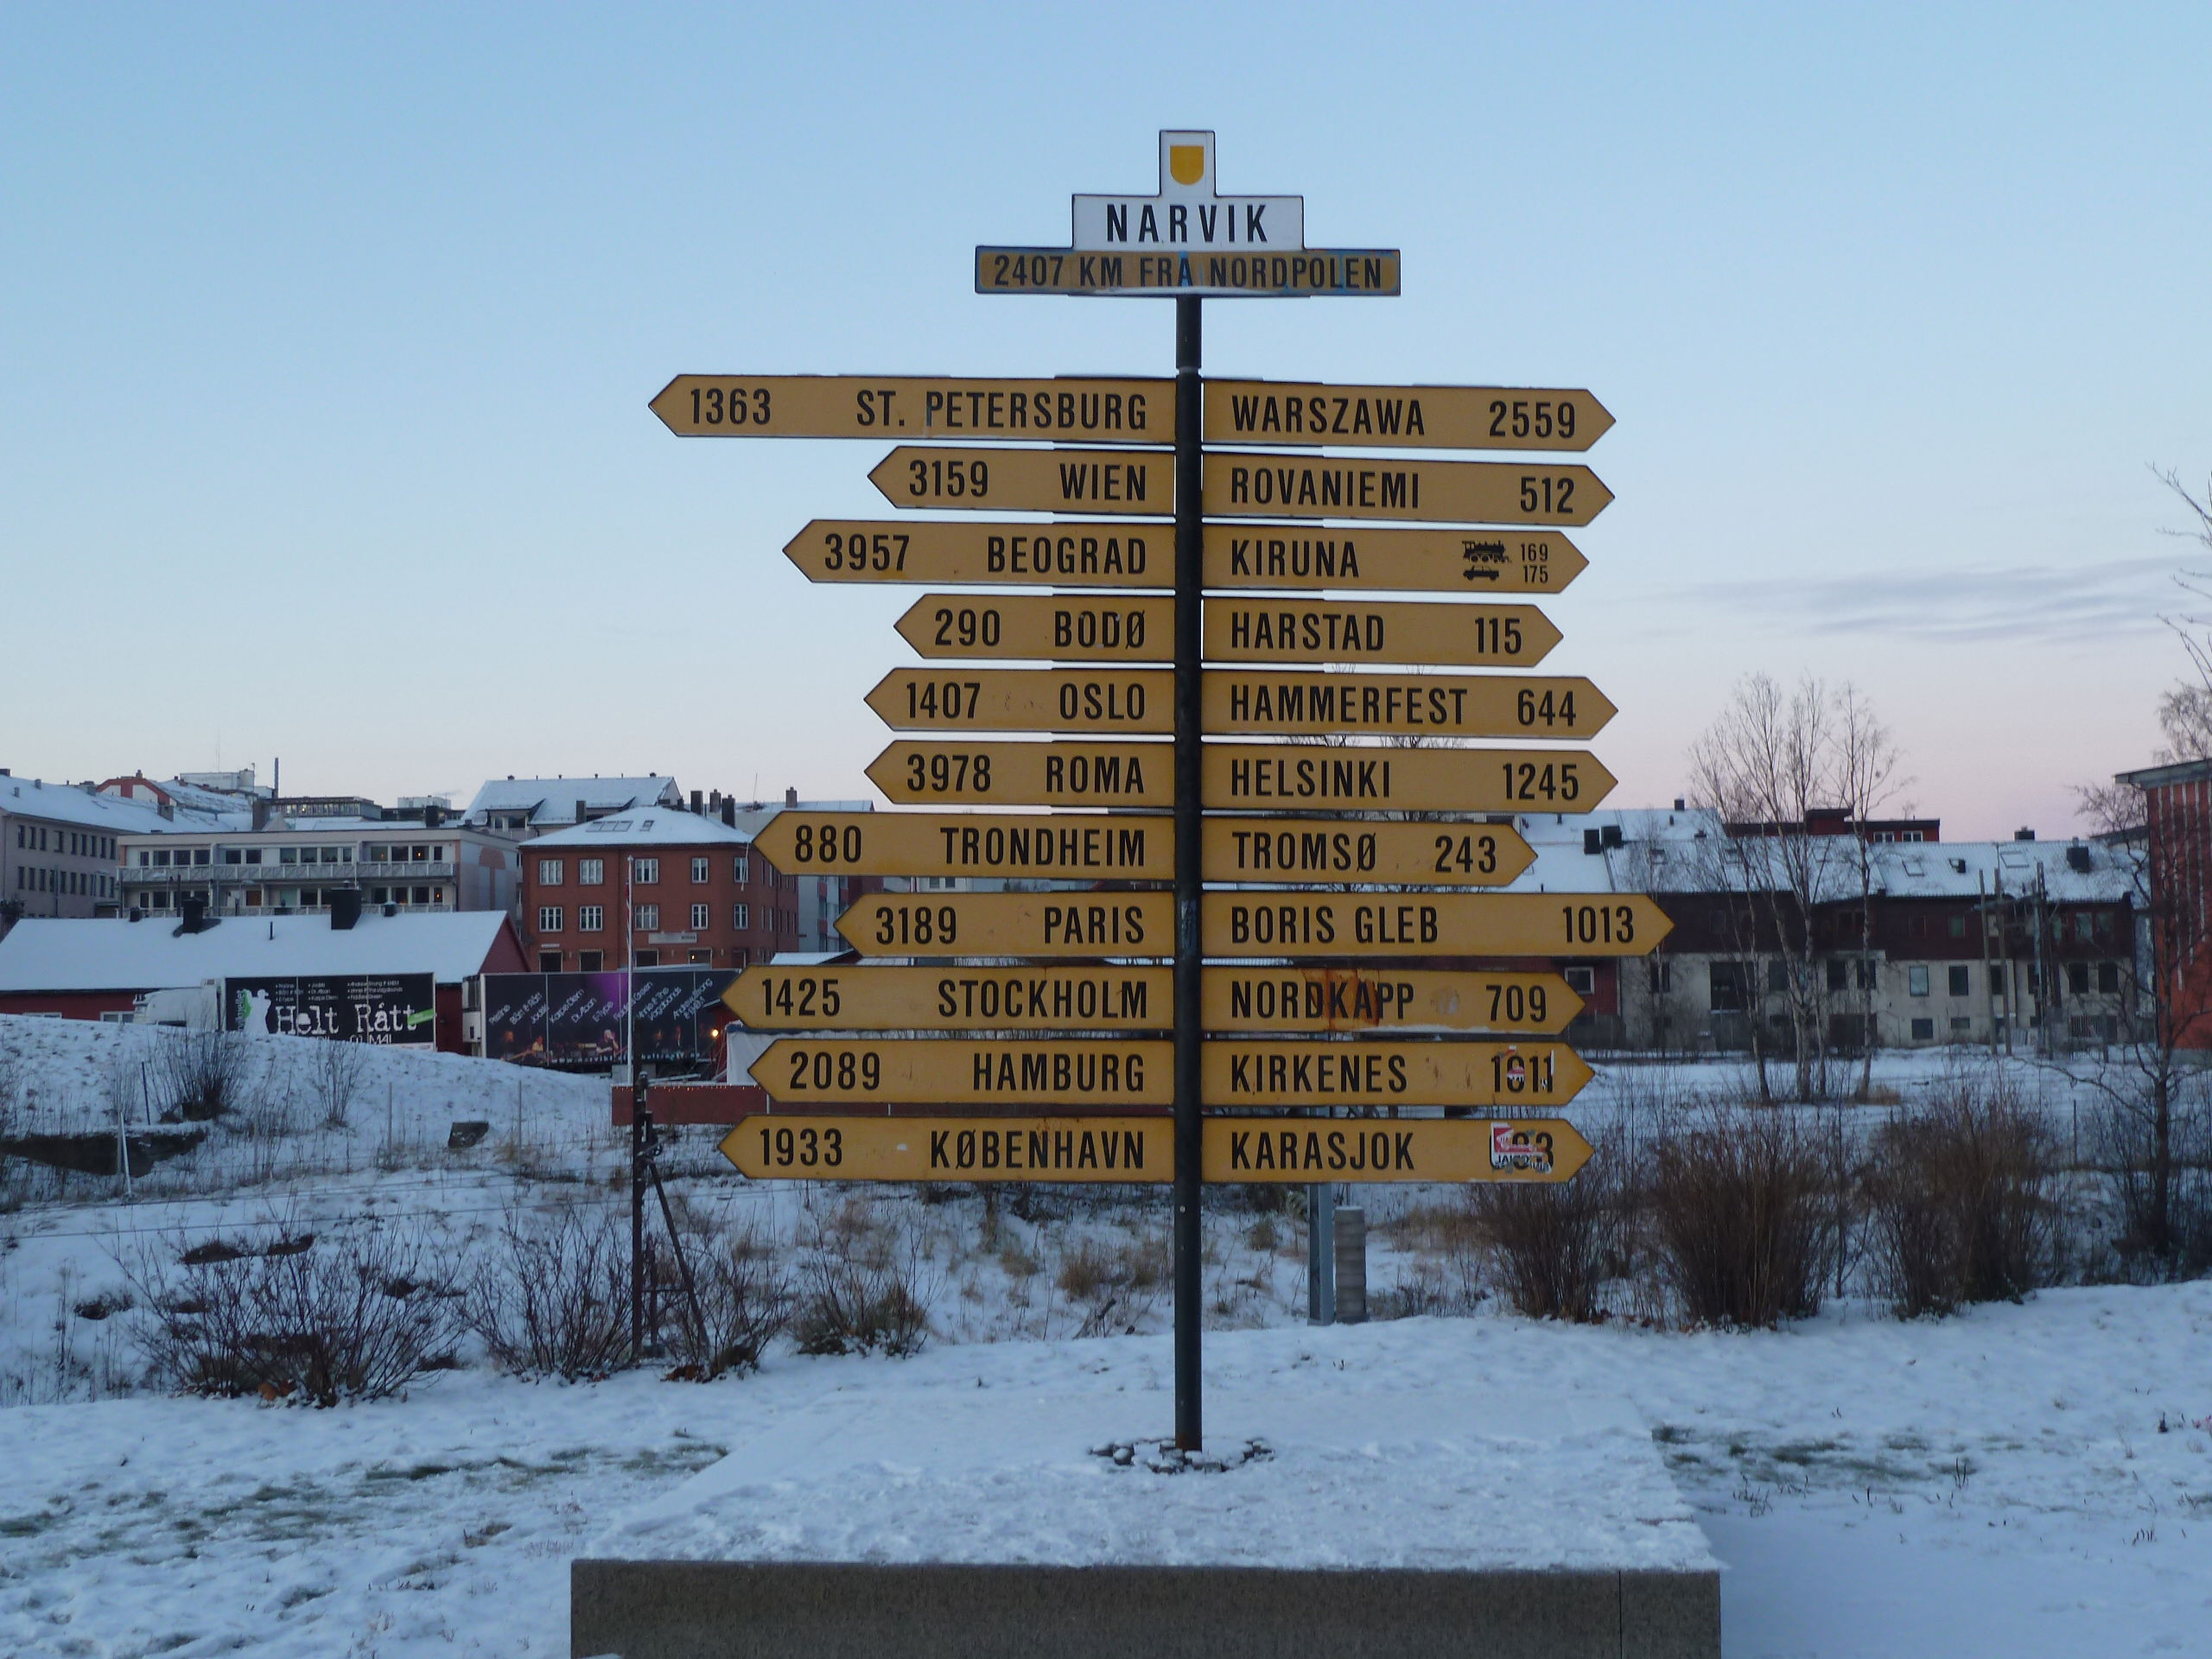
[1768, 764]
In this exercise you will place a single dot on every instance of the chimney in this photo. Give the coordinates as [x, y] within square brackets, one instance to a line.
[344, 907]
[2077, 858]
[1593, 842]
[433, 817]
[195, 917]
[730, 810]
[580, 811]
[137, 914]
[2024, 835]
[1680, 805]
[260, 819]
[791, 797]
[697, 800]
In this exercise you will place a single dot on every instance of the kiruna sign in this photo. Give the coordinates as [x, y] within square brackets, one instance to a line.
[1336, 963]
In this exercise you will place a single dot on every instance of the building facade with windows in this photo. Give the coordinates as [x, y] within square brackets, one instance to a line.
[60, 844]
[653, 887]
[287, 865]
[539, 806]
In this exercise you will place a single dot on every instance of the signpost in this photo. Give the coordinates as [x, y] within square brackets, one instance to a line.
[1352, 936]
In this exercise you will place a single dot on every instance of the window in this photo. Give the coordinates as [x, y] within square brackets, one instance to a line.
[376, 854]
[161, 858]
[738, 869]
[1960, 1022]
[699, 872]
[1839, 974]
[1958, 927]
[1996, 978]
[591, 919]
[1924, 1031]
[1915, 981]
[2082, 926]
[288, 855]
[741, 917]
[1778, 978]
[549, 962]
[1660, 975]
[699, 916]
[549, 872]
[422, 896]
[2109, 978]
[645, 872]
[1961, 983]
[1581, 980]
[648, 958]
[588, 960]
[648, 916]
[549, 919]
[2077, 978]
[590, 872]
[699, 956]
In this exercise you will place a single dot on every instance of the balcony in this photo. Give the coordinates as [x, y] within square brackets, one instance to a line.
[232, 875]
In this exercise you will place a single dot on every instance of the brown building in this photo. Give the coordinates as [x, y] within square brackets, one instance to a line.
[652, 886]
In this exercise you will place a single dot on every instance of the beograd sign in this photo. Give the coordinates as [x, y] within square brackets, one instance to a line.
[982, 553]
[1068, 411]
[820, 1146]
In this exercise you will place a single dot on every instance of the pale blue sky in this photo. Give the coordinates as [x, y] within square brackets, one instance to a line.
[326, 336]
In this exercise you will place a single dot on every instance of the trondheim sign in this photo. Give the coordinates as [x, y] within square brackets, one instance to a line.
[1060, 846]
[1431, 925]
[1029, 480]
[1402, 417]
[1187, 240]
[884, 405]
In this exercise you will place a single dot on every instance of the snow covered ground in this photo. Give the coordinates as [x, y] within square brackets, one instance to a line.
[1996, 1483]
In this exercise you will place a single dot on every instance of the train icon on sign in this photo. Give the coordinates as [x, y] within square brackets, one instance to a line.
[1485, 561]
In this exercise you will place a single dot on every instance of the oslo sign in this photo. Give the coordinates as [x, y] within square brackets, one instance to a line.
[1138, 700]
[885, 405]
[1402, 417]
[1141, 1149]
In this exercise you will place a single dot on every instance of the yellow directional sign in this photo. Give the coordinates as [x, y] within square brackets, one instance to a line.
[1431, 925]
[1042, 627]
[811, 1147]
[1136, 700]
[1240, 629]
[1400, 1149]
[1115, 924]
[875, 997]
[1385, 560]
[1286, 702]
[997, 555]
[1292, 997]
[1402, 417]
[1239, 486]
[1029, 480]
[1343, 273]
[818, 1147]
[1382, 1073]
[968, 1072]
[1363, 851]
[923, 406]
[1060, 846]
[1286, 778]
[1025, 774]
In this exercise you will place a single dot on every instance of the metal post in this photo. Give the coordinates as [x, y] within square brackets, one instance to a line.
[640, 1122]
[1189, 574]
[1321, 1254]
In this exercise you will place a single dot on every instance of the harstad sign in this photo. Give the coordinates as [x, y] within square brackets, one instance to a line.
[889, 405]
[1238, 629]
[814, 1147]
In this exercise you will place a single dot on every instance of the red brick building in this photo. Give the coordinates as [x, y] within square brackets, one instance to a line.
[653, 886]
[2175, 846]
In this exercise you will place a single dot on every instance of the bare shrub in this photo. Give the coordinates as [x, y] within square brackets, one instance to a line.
[204, 1073]
[1960, 1203]
[552, 1297]
[337, 1072]
[356, 1317]
[1553, 1245]
[1738, 1207]
[2162, 1183]
[745, 1303]
[871, 1300]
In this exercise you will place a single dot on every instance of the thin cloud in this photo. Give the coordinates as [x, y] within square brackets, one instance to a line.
[2055, 603]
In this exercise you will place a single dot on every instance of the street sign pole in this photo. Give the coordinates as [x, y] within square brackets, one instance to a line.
[1190, 573]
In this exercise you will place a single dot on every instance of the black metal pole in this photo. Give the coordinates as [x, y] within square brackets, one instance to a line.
[640, 1121]
[1190, 573]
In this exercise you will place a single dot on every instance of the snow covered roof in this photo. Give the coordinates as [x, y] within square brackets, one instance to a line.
[553, 800]
[46, 955]
[108, 814]
[755, 816]
[649, 826]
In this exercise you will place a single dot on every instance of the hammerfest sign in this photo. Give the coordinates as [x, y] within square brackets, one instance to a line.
[1276, 952]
